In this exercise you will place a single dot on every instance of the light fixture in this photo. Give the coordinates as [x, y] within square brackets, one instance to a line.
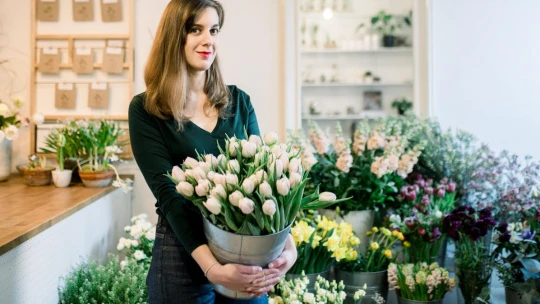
[327, 13]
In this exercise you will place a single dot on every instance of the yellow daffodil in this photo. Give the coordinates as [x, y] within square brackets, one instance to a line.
[339, 253]
[375, 229]
[386, 231]
[400, 236]
[395, 233]
[354, 241]
[351, 255]
[407, 244]
[374, 246]
[326, 224]
[316, 241]
[388, 253]
[333, 242]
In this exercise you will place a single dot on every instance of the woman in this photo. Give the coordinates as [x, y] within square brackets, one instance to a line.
[188, 108]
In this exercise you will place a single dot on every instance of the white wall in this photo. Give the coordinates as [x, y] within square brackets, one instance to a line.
[484, 70]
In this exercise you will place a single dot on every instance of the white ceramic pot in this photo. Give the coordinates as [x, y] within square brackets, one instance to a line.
[5, 159]
[61, 179]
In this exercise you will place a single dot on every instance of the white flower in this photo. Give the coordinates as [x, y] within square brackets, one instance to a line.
[438, 214]
[213, 205]
[248, 149]
[120, 245]
[136, 232]
[259, 157]
[38, 118]
[127, 229]
[146, 226]
[231, 179]
[203, 187]
[151, 234]
[2, 136]
[393, 162]
[265, 189]
[269, 207]
[256, 140]
[204, 166]
[261, 176]
[283, 186]
[309, 298]
[4, 110]
[191, 163]
[185, 188]
[139, 255]
[113, 158]
[11, 132]
[270, 138]
[277, 167]
[219, 192]
[142, 216]
[211, 175]
[284, 157]
[246, 205]
[222, 161]
[308, 161]
[134, 243]
[233, 146]
[235, 197]
[344, 162]
[295, 179]
[219, 179]
[233, 166]
[248, 186]
[123, 264]
[211, 160]
[198, 174]
[327, 197]
[178, 174]
[511, 227]
[295, 166]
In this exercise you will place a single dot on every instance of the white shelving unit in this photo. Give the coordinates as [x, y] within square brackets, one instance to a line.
[355, 84]
[381, 50]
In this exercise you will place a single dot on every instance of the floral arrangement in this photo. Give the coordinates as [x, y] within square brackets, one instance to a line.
[138, 246]
[253, 187]
[320, 242]
[378, 255]
[517, 251]
[420, 281]
[506, 185]
[370, 169]
[10, 120]
[423, 205]
[471, 231]
[296, 292]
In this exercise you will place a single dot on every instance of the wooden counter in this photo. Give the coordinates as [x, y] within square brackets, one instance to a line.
[26, 211]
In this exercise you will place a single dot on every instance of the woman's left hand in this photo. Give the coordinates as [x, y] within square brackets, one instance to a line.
[283, 263]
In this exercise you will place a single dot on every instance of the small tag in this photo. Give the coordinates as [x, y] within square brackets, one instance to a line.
[99, 86]
[114, 50]
[65, 86]
[50, 51]
[110, 1]
[83, 51]
[115, 43]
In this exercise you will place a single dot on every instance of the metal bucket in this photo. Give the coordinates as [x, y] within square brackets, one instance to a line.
[376, 282]
[229, 247]
[405, 301]
[5, 159]
[312, 277]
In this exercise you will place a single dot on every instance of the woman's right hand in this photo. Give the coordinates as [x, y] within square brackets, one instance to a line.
[238, 277]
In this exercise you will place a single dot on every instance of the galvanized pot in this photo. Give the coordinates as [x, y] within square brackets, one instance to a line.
[376, 282]
[5, 159]
[229, 247]
[312, 277]
[405, 301]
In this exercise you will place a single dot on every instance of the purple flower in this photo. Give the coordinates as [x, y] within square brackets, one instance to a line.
[527, 234]
[428, 190]
[503, 227]
[440, 192]
[485, 213]
[436, 233]
[505, 237]
[425, 200]
[451, 187]
[411, 196]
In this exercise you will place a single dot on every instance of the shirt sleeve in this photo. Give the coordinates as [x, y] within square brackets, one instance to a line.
[153, 158]
[253, 125]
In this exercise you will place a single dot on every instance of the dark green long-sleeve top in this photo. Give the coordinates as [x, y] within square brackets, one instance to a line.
[158, 146]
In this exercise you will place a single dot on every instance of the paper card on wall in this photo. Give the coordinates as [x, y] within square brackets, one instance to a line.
[64, 96]
[115, 43]
[113, 60]
[47, 10]
[111, 10]
[98, 96]
[83, 10]
[49, 61]
[83, 61]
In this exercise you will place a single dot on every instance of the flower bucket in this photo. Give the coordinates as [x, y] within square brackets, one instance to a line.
[405, 301]
[5, 159]
[361, 221]
[439, 256]
[471, 284]
[229, 247]
[37, 177]
[376, 282]
[98, 179]
[312, 277]
[61, 179]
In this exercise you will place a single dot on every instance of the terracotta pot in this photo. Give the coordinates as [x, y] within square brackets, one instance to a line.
[98, 179]
[37, 177]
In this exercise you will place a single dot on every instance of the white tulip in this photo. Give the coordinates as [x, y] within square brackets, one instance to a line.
[270, 138]
[327, 197]
[261, 176]
[213, 205]
[185, 188]
[234, 166]
[277, 167]
[4, 110]
[295, 179]
[259, 158]
[191, 163]
[219, 191]
[189, 173]
[265, 189]
[269, 207]
[246, 205]
[284, 157]
[235, 198]
[248, 149]
[199, 173]
[219, 179]
[2, 136]
[256, 140]
[308, 162]
[38, 118]
[231, 179]
[233, 146]
[203, 187]
[222, 161]
[248, 186]
[204, 166]
[295, 166]
[11, 132]
[211, 160]
[178, 174]
[211, 175]
[283, 186]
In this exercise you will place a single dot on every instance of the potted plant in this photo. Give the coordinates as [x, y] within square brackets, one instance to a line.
[61, 177]
[402, 105]
[37, 173]
[420, 282]
[387, 24]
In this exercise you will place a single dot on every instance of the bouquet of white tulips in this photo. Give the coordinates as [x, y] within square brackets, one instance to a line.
[254, 187]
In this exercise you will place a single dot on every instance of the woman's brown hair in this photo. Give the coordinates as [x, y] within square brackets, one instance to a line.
[166, 73]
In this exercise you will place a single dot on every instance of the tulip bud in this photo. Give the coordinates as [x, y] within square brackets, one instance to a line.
[428, 190]
[451, 187]
[270, 138]
[265, 189]
[233, 145]
[234, 166]
[219, 179]
[204, 166]
[198, 174]
[185, 188]
[203, 187]
[248, 149]
[283, 186]
[295, 179]
[411, 196]
[222, 161]
[440, 192]
[211, 160]
[276, 168]
[232, 180]
[248, 186]
[284, 157]
[261, 176]
[256, 140]
[219, 192]
[211, 175]
[269, 207]
[295, 165]
[213, 205]
[178, 174]
[246, 205]
[259, 158]
[254, 179]
[327, 197]
[235, 197]
[191, 163]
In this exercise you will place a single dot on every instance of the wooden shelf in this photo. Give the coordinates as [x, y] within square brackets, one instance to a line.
[362, 115]
[356, 84]
[69, 66]
[382, 50]
[83, 37]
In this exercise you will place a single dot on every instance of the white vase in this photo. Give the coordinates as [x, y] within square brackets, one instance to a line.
[361, 221]
[5, 159]
[61, 179]
[375, 41]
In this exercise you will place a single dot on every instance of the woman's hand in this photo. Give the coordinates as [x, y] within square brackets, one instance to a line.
[240, 277]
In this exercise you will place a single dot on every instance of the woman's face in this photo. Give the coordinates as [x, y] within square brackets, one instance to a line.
[201, 42]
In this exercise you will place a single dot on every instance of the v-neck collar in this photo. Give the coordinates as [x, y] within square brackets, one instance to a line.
[214, 130]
